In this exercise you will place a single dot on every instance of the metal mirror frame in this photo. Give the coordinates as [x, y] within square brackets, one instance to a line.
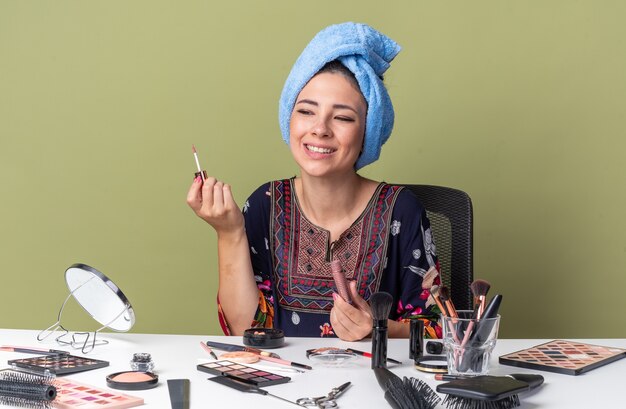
[86, 341]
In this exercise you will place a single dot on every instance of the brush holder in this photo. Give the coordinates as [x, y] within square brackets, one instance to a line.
[469, 343]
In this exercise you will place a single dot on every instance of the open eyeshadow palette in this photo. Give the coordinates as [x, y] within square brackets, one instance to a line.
[61, 364]
[76, 395]
[243, 373]
[566, 357]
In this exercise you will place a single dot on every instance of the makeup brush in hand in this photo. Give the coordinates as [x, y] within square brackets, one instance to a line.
[381, 307]
[479, 288]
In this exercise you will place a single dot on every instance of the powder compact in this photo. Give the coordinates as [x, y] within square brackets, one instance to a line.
[132, 380]
[266, 338]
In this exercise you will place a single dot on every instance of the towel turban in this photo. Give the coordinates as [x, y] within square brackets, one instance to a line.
[367, 54]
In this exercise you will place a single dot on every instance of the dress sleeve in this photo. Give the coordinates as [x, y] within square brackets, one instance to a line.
[256, 214]
[412, 254]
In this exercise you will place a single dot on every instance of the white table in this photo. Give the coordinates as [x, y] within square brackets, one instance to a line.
[176, 356]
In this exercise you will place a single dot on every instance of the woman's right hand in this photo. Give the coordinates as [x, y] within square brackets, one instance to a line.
[213, 202]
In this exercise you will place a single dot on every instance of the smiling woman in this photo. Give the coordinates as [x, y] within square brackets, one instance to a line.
[275, 257]
[327, 126]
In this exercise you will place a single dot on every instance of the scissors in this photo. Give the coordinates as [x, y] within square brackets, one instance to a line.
[327, 401]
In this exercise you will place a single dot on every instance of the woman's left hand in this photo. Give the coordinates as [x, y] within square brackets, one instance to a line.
[351, 322]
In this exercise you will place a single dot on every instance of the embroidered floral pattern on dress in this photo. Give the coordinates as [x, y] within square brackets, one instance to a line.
[429, 250]
[395, 227]
[300, 249]
[295, 318]
[326, 330]
[429, 247]
[430, 313]
[382, 246]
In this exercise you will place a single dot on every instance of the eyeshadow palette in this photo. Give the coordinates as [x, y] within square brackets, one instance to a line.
[566, 357]
[243, 373]
[61, 364]
[76, 395]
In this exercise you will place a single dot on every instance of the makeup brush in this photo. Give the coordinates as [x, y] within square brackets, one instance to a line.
[434, 293]
[340, 281]
[406, 393]
[245, 387]
[444, 295]
[381, 307]
[208, 349]
[479, 288]
[26, 390]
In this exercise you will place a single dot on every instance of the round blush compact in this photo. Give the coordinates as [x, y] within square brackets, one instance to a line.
[132, 380]
[265, 338]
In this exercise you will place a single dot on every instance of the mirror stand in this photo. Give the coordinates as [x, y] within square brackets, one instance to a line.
[87, 284]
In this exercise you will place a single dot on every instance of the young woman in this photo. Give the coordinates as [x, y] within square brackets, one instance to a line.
[274, 257]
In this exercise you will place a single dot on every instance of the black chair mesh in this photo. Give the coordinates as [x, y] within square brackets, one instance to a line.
[451, 219]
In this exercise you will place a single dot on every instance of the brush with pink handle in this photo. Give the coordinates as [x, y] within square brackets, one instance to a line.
[340, 281]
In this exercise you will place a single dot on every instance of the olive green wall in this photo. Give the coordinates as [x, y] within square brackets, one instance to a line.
[521, 104]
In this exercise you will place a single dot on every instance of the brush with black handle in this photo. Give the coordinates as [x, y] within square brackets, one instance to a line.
[381, 307]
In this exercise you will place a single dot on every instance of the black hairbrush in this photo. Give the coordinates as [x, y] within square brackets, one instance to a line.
[406, 393]
[488, 392]
[26, 390]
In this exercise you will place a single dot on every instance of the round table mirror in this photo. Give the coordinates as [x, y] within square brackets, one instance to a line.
[100, 297]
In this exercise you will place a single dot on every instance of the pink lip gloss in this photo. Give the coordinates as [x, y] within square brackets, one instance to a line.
[340, 281]
[200, 172]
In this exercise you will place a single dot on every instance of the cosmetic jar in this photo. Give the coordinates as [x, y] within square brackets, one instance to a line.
[265, 338]
[142, 362]
[432, 364]
[434, 347]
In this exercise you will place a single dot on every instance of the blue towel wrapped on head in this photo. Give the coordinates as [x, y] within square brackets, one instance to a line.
[367, 54]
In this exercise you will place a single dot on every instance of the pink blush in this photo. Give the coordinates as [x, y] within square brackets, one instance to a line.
[132, 377]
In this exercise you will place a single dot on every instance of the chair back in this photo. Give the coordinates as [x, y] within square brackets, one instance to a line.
[452, 225]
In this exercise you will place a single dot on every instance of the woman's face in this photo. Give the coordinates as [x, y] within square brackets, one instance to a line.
[327, 125]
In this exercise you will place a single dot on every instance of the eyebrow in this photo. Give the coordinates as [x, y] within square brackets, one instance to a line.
[336, 106]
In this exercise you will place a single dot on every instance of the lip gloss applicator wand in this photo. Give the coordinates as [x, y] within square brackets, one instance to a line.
[200, 172]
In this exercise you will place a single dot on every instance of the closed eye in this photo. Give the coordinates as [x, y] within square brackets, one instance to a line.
[344, 118]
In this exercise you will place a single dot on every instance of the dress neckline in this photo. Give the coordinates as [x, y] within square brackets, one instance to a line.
[370, 204]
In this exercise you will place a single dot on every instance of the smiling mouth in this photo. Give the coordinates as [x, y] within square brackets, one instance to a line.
[317, 149]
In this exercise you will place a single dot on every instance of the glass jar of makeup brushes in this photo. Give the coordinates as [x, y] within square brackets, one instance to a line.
[469, 342]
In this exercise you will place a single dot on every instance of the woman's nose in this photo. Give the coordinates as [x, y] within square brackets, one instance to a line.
[321, 128]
